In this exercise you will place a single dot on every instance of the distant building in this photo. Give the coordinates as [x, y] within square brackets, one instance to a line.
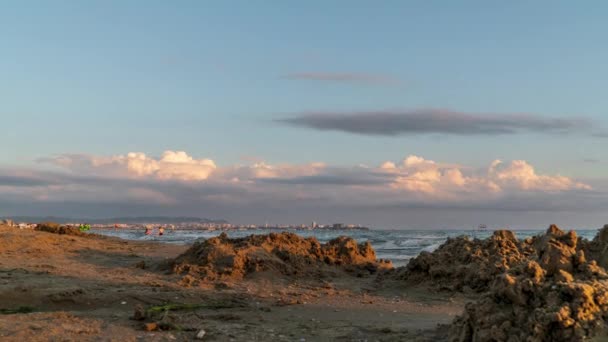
[338, 226]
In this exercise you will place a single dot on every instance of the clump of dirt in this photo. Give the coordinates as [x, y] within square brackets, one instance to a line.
[465, 263]
[56, 228]
[555, 295]
[284, 253]
[597, 249]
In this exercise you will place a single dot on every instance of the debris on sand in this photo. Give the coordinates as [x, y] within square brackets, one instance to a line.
[19, 310]
[201, 334]
[150, 326]
[555, 295]
[52, 227]
[284, 253]
[463, 262]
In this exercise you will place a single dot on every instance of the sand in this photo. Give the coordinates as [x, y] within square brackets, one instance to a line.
[88, 288]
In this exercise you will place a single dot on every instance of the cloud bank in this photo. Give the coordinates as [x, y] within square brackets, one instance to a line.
[175, 182]
[428, 121]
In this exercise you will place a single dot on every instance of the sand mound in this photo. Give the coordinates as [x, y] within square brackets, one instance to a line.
[462, 262]
[284, 253]
[597, 249]
[556, 295]
[52, 227]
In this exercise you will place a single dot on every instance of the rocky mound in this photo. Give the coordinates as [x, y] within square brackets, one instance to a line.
[555, 295]
[52, 227]
[284, 253]
[597, 249]
[462, 262]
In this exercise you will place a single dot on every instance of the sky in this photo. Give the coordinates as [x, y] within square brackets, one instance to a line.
[417, 114]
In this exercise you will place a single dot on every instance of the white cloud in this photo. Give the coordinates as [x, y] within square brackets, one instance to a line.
[176, 179]
[418, 175]
[519, 174]
[172, 165]
[262, 170]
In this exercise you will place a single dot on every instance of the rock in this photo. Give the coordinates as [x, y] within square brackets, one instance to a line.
[463, 262]
[598, 248]
[557, 295]
[200, 334]
[550, 287]
[150, 326]
[564, 276]
[284, 253]
[188, 281]
[556, 250]
[52, 227]
[139, 313]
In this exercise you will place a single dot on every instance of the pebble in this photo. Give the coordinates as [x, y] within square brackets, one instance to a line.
[139, 313]
[123, 303]
[150, 326]
[201, 334]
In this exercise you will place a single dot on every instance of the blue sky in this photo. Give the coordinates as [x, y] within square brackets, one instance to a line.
[211, 78]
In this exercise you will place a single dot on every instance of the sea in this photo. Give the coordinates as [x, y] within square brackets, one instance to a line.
[399, 246]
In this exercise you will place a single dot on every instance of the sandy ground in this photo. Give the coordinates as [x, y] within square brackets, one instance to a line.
[87, 289]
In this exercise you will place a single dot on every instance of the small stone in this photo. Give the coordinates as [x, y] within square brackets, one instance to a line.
[139, 313]
[201, 334]
[150, 326]
[564, 276]
[123, 303]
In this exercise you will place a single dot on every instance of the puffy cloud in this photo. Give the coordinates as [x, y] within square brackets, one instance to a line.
[520, 174]
[262, 170]
[414, 174]
[418, 175]
[177, 180]
[179, 165]
[172, 165]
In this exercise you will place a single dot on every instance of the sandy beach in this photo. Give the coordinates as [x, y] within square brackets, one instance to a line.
[60, 284]
[88, 288]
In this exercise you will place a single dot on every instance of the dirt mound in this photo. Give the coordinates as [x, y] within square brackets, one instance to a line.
[597, 249]
[462, 262]
[52, 227]
[284, 253]
[555, 295]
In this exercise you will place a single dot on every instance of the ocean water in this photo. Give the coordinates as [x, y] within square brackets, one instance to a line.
[399, 246]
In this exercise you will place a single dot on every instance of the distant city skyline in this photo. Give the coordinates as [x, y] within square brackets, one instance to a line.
[416, 114]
